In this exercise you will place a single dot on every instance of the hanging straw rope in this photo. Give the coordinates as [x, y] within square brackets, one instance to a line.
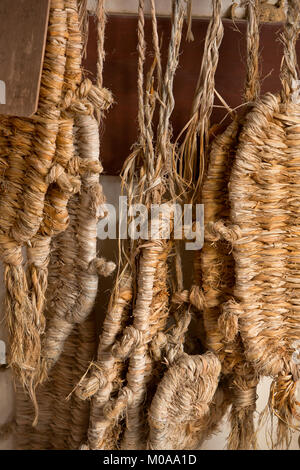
[263, 197]
[88, 211]
[62, 184]
[149, 307]
[221, 313]
[151, 251]
[189, 165]
[69, 219]
[101, 382]
[193, 161]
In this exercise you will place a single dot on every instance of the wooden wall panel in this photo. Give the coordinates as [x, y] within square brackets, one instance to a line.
[120, 72]
[22, 43]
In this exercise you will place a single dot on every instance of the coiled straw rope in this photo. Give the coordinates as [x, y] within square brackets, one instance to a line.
[66, 238]
[181, 402]
[182, 413]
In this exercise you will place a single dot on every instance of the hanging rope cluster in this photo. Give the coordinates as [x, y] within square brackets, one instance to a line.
[170, 360]
[247, 267]
[220, 314]
[52, 200]
[130, 374]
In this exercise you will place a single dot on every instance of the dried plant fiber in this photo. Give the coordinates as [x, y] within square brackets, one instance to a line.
[263, 199]
[216, 263]
[178, 409]
[63, 267]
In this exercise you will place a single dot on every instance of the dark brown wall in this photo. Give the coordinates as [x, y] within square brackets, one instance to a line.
[120, 72]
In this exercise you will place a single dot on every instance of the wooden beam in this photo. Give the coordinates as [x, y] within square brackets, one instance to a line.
[22, 43]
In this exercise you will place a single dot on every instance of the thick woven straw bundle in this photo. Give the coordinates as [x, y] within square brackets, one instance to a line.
[263, 193]
[146, 382]
[147, 298]
[216, 262]
[50, 210]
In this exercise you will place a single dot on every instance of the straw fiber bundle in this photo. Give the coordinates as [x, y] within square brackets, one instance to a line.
[104, 378]
[181, 322]
[62, 423]
[192, 167]
[129, 365]
[42, 171]
[63, 267]
[30, 156]
[216, 263]
[271, 12]
[192, 154]
[84, 163]
[180, 404]
[120, 339]
[261, 136]
[263, 197]
[184, 409]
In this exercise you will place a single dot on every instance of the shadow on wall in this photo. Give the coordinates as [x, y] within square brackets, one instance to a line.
[7, 402]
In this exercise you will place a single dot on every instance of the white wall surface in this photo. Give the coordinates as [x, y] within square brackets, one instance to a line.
[6, 385]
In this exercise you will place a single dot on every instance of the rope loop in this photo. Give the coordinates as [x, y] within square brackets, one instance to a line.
[215, 231]
[131, 339]
[89, 95]
[194, 296]
[101, 267]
